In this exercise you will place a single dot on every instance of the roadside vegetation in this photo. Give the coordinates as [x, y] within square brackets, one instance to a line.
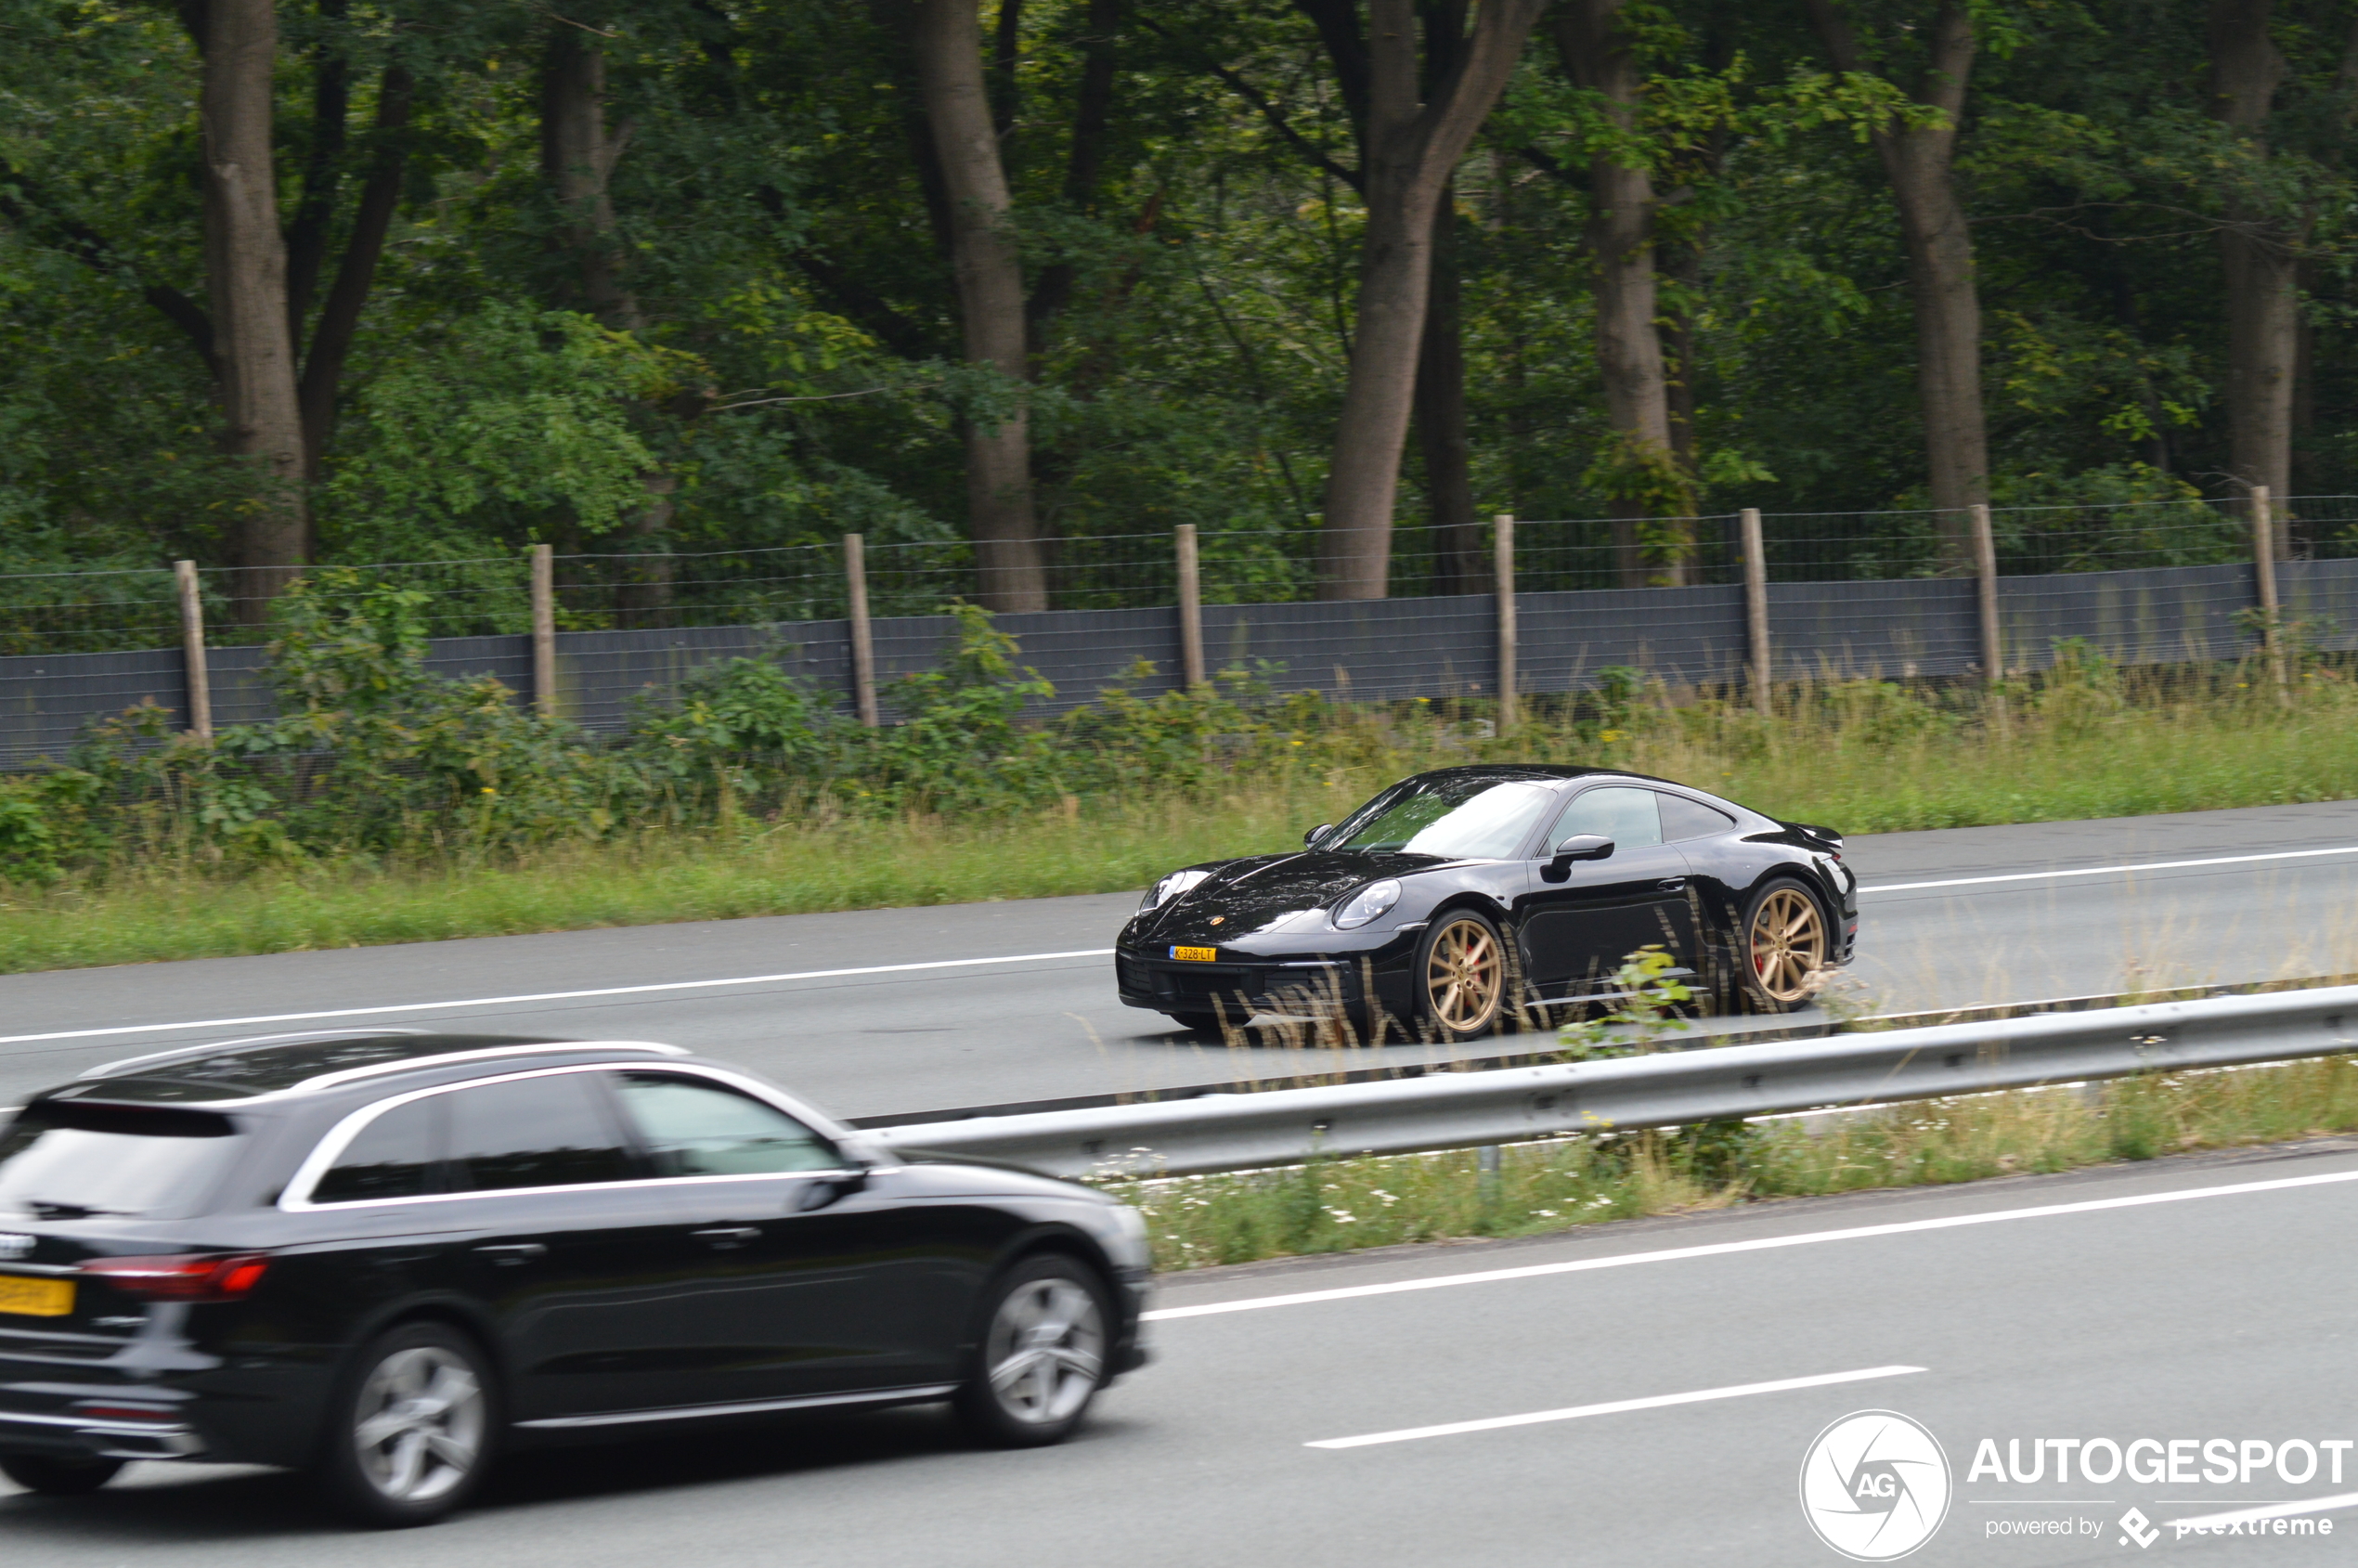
[1344, 1205]
[388, 805]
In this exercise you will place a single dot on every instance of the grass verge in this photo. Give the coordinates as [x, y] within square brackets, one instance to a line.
[1345, 1205]
[1864, 756]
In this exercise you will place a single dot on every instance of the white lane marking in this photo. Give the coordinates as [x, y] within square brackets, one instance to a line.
[2110, 870]
[2273, 1511]
[1759, 1244]
[548, 996]
[1615, 1407]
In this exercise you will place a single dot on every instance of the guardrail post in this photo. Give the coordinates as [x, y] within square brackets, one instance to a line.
[2263, 563]
[1756, 608]
[1487, 1162]
[544, 629]
[192, 653]
[863, 649]
[1191, 673]
[1503, 564]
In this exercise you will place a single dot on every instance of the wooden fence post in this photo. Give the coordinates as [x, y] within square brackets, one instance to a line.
[1191, 674]
[1503, 563]
[544, 629]
[1756, 608]
[863, 650]
[1985, 571]
[192, 653]
[2263, 563]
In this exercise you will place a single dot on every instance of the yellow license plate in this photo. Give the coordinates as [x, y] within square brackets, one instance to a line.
[1197, 954]
[35, 1298]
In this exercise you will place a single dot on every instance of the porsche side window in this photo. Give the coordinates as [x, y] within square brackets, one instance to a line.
[1683, 818]
[1459, 818]
[693, 1129]
[1629, 817]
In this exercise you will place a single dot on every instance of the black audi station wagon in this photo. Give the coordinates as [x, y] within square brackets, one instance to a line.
[384, 1256]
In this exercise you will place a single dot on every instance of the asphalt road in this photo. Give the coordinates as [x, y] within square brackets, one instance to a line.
[886, 1011]
[2072, 1307]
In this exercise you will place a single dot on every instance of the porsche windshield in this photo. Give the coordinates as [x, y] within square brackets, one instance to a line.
[1457, 819]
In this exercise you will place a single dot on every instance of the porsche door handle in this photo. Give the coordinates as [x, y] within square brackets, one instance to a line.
[514, 1252]
[1671, 884]
[730, 1236]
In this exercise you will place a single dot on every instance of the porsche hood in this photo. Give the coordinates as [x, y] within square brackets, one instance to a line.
[1249, 896]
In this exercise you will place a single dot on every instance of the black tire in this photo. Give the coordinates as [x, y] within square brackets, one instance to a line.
[421, 1381]
[1018, 1393]
[1781, 986]
[54, 1476]
[1201, 1023]
[1448, 1020]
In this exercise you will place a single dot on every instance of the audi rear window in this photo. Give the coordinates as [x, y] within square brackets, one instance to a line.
[62, 1161]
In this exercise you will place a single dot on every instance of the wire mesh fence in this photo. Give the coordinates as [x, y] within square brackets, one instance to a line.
[91, 612]
[1890, 593]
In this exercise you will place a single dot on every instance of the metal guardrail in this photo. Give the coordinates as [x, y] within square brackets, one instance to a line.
[1465, 1109]
[1387, 1065]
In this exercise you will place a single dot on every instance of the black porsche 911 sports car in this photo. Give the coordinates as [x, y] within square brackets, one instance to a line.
[1461, 896]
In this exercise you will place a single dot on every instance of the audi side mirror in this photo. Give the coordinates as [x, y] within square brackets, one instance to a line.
[1579, 847]
[1313, 835]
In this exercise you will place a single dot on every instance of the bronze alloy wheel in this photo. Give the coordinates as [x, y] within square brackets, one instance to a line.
[1464, 976]
[1788, 940]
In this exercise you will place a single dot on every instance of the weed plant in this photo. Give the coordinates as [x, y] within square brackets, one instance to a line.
[387, 805]
[1342, 1205]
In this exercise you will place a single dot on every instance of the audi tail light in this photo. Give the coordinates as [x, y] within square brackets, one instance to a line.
[211, 1276]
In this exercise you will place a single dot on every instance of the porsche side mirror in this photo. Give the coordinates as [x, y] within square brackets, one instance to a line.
[828, 1188]
[1579, 847]
[1312, 836]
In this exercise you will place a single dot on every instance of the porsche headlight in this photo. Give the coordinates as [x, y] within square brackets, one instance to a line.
[1366, 904]
[1172, 886]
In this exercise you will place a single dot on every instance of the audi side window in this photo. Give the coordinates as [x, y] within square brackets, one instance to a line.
[691, 1128]
[1629, 817]
[533, 1132]
[398, 1155]
[1683, 818]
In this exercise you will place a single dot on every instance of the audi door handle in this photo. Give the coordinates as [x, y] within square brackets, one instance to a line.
[514, 1252]
[1671, 884]
[730, 1236]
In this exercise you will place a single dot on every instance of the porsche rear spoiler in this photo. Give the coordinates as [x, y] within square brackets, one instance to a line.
[1825, 838]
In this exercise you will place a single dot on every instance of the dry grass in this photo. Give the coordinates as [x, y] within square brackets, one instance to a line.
[1861, 755]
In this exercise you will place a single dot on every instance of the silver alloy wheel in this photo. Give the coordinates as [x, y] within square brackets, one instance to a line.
[419, 1425]
[1046, 1350]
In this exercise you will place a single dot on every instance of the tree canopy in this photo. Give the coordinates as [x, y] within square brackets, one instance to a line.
[662, 277]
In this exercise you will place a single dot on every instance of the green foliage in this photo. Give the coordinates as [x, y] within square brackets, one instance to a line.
[515, 422]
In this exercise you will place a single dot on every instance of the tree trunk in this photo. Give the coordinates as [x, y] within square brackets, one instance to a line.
[1621, 239]
[1091, 121]
[1459, 558]
[1920, 165]
[948, 40]
[246, 277]
[2259, 252]
[578, 157]
[356, 272]
[308, 230]
[1408, 150]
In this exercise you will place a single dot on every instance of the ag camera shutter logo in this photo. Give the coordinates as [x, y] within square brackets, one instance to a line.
[1875, 1485]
